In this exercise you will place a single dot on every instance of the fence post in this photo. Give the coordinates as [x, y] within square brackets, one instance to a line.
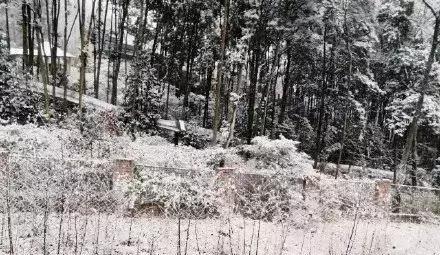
[122, 174]
[382, 193]
[226, 181]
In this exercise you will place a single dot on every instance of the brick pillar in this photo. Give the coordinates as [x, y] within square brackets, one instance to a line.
[382, 192]
[122, 175]
[225, 180]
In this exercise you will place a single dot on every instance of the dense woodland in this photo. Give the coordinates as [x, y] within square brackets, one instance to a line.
[356, 82]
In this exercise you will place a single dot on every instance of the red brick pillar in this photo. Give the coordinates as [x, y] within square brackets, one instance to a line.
[226, 182]
[122, 175]
[382, 192]
[123, 172]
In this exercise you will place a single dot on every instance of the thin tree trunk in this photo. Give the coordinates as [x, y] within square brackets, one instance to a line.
[253, 90]
[54, 64]
[64, 77]
[30, 39]
[96, 51]
[83, 54]
[8, 36]
[413, 173]
[207, 90]
[217, 106]
[113, 14]
[117, 64]
[285, 85]
[8, 208]
[156, 34]
[232, 126]
[318, 147]
[272, 82]
[24, 28]
[274, 101]
[42, 62]
[349, 77]
[100, 51]
[341, 150]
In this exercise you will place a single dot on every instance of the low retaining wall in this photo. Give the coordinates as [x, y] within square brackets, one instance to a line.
[229, 182]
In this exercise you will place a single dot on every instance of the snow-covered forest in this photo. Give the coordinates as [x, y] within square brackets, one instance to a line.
[219, 127]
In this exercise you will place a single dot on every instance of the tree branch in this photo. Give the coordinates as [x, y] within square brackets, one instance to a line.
[436, 15]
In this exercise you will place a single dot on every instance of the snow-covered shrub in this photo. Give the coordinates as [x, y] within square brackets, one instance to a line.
[143, 97]
[17, 105]
[332, 199]
[176, 192]
[276, 156]
[264, 197]
[286, 129]
[44, 184]
[196, 137]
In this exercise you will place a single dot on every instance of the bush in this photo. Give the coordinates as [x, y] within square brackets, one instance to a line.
[142, 99]
[177, 194]
[275, 156]
[196, 137]
[17, 105]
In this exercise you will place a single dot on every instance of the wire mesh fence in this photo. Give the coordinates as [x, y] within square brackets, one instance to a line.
[74, 206]
[57, 185]
[415, 200]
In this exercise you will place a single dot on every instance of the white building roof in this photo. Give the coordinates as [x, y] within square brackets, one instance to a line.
[46, 51]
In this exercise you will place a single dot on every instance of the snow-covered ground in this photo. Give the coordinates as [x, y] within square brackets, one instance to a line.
[108, 234]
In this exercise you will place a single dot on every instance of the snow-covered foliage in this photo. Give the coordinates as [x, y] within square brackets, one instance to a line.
[275, 156]
[402, 109]
[185, 194]
[17, 105]
[142, 99]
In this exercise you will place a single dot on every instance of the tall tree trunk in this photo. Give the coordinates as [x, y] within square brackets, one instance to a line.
[24, 28]
[83, 54]
[217, 106]
[156, 35]
[254, 64]
[189, 67]
[110, 50]
[413, 172]
[96, 49]
[117, 64]
[142, 23]
[54, 64]
[341, 150]
[30, 38]
[286, 85]
[64, 80]
[207, 90]
[274, 100]
[349, 77]
[100, 51]
[318, 146]
[8, 35]
[271, 83]
[232, 125]
[41, 61]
